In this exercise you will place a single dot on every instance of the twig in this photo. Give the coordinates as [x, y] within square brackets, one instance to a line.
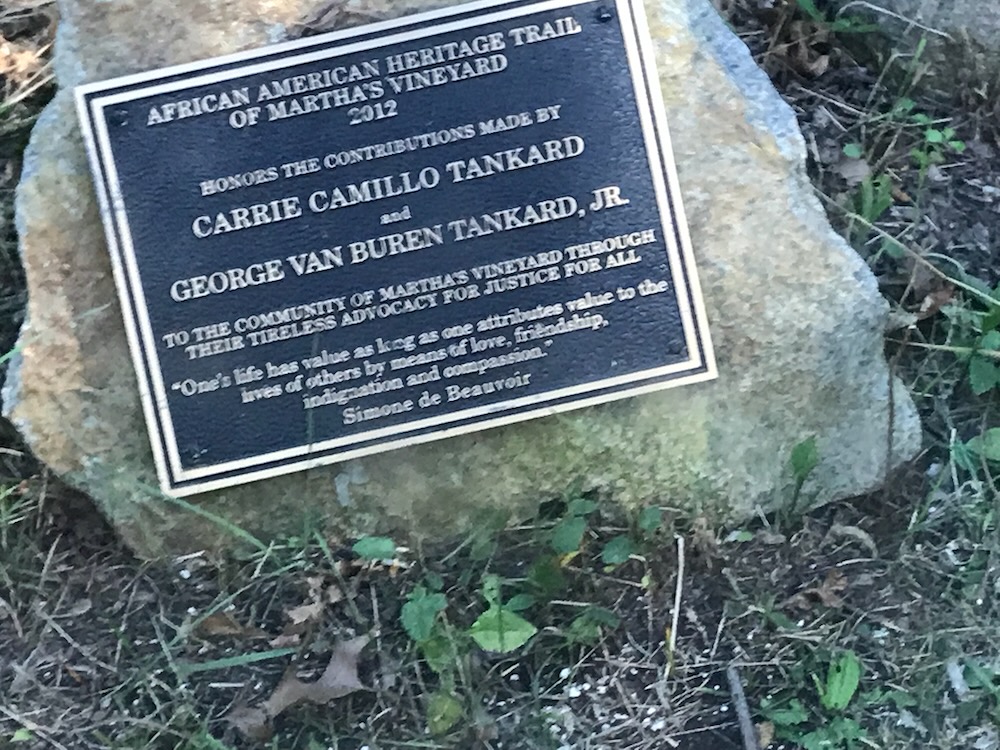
[678, 594]
[742, 709]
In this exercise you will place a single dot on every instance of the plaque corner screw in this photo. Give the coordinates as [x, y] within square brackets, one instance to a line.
[604, 14]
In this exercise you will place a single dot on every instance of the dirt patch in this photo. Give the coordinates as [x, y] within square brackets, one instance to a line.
[866, 623]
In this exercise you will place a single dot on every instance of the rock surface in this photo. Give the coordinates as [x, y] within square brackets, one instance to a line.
[796, 317]
[962, 38]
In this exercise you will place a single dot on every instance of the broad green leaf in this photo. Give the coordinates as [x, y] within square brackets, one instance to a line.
[501, 631]
[792, 714]
[581, 507]
[617, 551]
[986, 445]
[586, 627]
[583, 630]
[375, 548]
[420, 613]
[602, 616]
[439, 651]
[989, 322]
[443, 712]
[650, 519]
[853, 151]
[984, 375]
[568, 533]
[520, 602]
[979, 677]
[22, 735]
[842, 680]
[904, 106]
[933, 135]
[547, 576]
[991, 341]
[739, 535]
[804, 459]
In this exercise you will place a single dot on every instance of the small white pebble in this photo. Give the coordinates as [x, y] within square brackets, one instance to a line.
[650, 711]
[602, 689]
[184, 573]
[659, 725]
[564, 673]
[587, 686]
[514, 677]
[192, 611]
[724, 708]
[574, 691]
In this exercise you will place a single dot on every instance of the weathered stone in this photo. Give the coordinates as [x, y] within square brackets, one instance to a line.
[962, 38]
[796, 318]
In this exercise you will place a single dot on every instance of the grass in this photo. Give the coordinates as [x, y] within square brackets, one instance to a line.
[870, 623]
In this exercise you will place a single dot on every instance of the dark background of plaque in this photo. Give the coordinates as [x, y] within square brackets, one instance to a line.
[589, 78]
[62, 559]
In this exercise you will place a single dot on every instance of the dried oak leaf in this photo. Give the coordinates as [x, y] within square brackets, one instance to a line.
[312, 610]
[285, 640]
[765, 734]
[17, 63]
[933, 301]
[339, 679]
[305, 613]
[223, 624]
[830, 590]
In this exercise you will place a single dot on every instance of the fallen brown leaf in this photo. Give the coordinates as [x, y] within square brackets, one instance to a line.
[933, 301]
[305, 613]
[252, 723]
[901, 195]
[319, 595]
[854, 171]
[285, 640]
[828, 592]
[853, 532]
[222, 624]
[334, 594]
[339, 679]
[18, 64]
[765, 733]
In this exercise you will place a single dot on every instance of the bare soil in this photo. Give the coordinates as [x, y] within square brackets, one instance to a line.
[100, 650]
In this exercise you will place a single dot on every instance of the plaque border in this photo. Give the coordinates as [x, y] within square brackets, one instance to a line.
[179, 482]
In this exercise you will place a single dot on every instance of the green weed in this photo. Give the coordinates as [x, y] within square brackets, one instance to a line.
[821, 723]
